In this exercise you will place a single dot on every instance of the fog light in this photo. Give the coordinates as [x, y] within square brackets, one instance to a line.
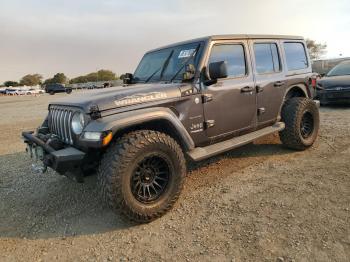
[96, 136]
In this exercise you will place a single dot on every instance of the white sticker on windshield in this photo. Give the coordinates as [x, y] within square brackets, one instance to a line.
[186, 53]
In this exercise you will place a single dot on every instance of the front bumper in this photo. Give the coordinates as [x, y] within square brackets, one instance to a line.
[64, 160]
[333, 96]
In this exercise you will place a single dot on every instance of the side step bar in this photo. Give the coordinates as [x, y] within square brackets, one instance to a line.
[200, 153]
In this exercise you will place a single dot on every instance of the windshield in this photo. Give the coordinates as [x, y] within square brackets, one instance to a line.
[164, 64]
[340, 70]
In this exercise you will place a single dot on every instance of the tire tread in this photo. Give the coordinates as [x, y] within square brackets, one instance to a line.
[115, 162]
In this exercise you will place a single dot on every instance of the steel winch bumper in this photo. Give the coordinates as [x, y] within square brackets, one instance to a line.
[64, 160]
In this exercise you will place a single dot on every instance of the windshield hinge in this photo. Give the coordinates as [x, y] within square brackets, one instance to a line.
[95, 112]
[209, 123]
[207, 98]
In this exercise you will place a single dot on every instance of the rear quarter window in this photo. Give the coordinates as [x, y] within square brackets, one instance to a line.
[295, 56]
[266, 58]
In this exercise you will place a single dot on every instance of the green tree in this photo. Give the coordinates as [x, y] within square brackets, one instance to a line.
[31, 80]
[11, 83]
[58, 78]
[101, 75]
[79, 79]
[92, 77]
[316, 50]
[105, 75]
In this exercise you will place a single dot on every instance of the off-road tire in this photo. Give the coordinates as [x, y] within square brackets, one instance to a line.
[119, 164]
[293, 112]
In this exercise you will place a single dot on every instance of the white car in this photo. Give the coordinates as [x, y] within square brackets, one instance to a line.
[23, 91]
[34, 91]
[12, 91]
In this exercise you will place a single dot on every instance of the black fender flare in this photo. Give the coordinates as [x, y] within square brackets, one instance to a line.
[301, 87]
[120, 121]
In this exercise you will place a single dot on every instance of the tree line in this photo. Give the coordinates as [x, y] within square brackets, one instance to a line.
[316, 51]
[61, 78]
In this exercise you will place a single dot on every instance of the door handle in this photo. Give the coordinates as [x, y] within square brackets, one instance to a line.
[247, 89]
[278, 83]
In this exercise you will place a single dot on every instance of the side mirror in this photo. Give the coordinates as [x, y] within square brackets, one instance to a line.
[218, 70]
[127, 77]
[190, 70]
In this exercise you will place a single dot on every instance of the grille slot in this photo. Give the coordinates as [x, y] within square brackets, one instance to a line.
[59, 121]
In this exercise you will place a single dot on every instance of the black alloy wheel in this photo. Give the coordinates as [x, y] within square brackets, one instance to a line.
[150, 178]
[307, 125]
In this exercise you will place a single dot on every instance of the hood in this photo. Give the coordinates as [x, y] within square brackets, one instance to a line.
[121, 96]
[329, 82]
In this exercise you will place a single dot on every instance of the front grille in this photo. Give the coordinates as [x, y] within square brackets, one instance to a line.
[59, 121]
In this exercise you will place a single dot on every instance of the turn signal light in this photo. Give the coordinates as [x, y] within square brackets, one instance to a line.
[107, 139]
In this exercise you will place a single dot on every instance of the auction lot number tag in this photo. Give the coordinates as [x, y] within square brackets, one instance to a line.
[186, 53]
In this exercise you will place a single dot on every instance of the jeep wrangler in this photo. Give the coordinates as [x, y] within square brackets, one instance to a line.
[186, 101]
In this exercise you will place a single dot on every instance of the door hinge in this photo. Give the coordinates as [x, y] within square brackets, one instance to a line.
[207, 98]
[209, 123]
[259, 89]
[261, 110]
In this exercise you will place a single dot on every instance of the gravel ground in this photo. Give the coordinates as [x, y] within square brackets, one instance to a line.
[258, 203]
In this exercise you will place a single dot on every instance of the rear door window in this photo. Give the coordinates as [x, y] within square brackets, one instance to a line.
[266, 58]
[234, 55]
[295, 55]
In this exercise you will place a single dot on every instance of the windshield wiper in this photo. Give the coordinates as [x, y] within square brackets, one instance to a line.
[162, 68]
[185, 63]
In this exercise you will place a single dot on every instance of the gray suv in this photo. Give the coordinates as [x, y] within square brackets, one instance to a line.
[186, 101]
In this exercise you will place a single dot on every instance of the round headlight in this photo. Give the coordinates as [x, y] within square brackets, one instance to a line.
[78, 123]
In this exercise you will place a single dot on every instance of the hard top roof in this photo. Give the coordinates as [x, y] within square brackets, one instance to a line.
[232, 37]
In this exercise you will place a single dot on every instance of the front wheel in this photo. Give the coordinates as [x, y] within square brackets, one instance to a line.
[302, 120]
[142, 174]
[68, 91]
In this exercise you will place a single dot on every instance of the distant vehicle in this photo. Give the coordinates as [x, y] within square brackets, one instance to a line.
[12, 91]
[334, 87]
[2, 90]
[34, 91]
[57, 88]
[22, 91]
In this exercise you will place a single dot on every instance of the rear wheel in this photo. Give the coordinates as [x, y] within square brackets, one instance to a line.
[52, 92]
[142, 174]
[301, 116]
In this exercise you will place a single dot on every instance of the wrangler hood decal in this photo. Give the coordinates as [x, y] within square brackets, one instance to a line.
[123, 96]
[140, 98]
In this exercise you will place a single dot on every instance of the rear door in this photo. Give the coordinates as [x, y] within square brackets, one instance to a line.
[230, 104]
[270, 79]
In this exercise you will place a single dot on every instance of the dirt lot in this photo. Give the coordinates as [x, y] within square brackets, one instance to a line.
[258, 203]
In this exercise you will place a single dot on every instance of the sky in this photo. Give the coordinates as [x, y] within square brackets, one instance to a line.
[81, 36]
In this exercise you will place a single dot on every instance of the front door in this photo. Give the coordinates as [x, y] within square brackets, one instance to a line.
[230, 104]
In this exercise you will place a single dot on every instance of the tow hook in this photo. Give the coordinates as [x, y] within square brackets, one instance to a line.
[37, 153]
[39, 169]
